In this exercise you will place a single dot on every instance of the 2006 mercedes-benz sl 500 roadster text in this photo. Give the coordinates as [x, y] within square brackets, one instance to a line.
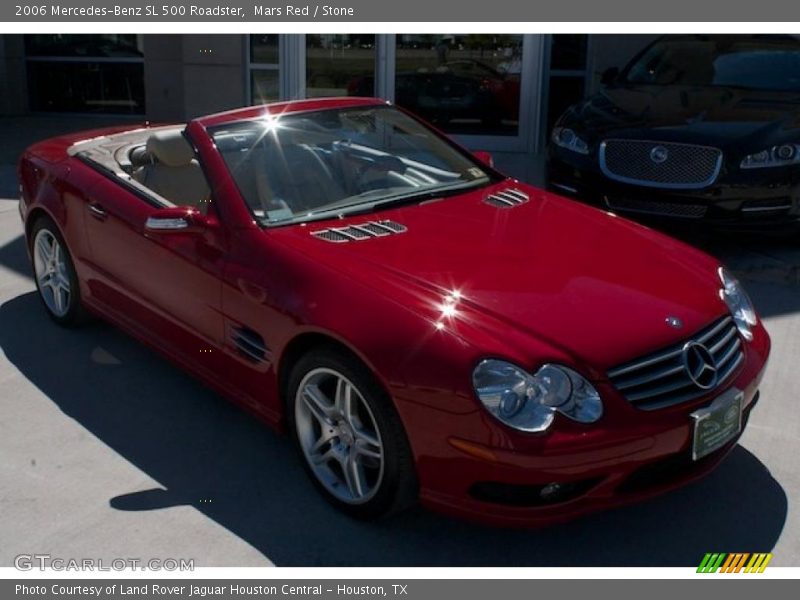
[422, 326]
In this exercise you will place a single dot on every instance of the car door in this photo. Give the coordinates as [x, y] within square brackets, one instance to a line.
[164, 285]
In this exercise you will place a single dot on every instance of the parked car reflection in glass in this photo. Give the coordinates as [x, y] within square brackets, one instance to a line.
[696, 128]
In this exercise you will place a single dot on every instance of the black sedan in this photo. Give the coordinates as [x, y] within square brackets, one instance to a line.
[699, 127]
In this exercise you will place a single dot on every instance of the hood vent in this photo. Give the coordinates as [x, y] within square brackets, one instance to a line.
[507, 198]
[362, 231]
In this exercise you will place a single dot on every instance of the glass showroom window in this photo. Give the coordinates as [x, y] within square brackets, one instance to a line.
[85, 73]
[264, 68]
[466, 84]
[340, 65]
[568, 55]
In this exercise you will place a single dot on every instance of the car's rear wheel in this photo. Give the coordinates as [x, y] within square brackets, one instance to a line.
[55, 275]
[351, 438]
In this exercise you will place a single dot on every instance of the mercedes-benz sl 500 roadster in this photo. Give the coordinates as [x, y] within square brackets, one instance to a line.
[423, 327]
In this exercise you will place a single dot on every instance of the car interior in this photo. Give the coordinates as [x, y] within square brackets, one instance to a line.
[281, 177]
[327, 160]
[278, 177]
[303, 166]
[166, 164]
[159, 162]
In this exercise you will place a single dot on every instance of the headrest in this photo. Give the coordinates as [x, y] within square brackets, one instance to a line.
[170, 148]
[140, 157]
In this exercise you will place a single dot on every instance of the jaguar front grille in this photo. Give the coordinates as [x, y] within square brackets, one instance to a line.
[666, 165]
[673, 375]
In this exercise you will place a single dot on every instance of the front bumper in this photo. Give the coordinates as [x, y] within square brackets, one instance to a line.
[756, 200]
[499, 480]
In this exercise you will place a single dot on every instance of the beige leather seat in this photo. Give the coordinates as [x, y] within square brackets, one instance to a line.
[174, 173]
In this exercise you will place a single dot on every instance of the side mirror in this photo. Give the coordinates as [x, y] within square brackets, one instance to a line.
[484, 157]
[609, 76]
[180, 219]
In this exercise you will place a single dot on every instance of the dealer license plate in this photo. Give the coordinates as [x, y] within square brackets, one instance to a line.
[717, 424]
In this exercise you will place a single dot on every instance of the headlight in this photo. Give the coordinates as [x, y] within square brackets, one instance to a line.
[738, 303]
[566, 138]
[529, 402]
[777, 156]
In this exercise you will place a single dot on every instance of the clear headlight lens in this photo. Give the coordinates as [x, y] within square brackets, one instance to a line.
[738, 303]
[567, 138]
[777, 156]
[528, 402]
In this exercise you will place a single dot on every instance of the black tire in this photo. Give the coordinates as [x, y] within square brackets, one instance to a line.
[75, 314]
[398, 488]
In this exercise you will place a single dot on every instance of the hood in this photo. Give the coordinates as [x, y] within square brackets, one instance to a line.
[710, 115]
[580, 280]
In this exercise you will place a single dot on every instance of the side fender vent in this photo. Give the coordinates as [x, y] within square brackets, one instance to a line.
[249, 344]
[507, 198]
[361, 231]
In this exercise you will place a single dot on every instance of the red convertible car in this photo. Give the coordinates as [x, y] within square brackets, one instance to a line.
[424, 327]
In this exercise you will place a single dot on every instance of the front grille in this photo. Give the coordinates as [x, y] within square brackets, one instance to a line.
[657, 207]
[660, 164]
[507, 198]
[361, 231]
[662, 379]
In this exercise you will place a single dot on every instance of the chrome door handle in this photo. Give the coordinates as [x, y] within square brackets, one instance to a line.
[97, 211]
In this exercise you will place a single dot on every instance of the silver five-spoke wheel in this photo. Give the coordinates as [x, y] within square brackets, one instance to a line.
[51, 272]
[339, 436]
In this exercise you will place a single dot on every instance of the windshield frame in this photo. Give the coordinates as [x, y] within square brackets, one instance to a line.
[492, 176]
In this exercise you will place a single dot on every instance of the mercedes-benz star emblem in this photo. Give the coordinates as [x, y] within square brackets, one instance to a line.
[674, 322]
[699, 365]
[659, 154]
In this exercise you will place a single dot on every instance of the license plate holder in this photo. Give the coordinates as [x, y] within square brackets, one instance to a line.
[717, 424]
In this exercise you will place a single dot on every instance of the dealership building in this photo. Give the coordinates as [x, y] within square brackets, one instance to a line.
[491, 92]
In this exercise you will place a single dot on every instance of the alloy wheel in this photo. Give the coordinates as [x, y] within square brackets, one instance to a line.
[339, 436]
[52, 274]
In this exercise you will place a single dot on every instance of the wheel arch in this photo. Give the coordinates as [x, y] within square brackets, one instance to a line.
[303, 343]
[34, 214]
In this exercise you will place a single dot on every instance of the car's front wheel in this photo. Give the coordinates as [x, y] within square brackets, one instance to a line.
[55, 275]
[351, 438]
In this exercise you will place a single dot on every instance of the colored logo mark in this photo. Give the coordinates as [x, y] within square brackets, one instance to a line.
[737, 562]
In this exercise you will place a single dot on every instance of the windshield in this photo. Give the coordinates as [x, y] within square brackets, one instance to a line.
[757, 63]
[313, 165]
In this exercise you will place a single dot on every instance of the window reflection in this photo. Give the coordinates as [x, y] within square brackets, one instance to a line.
[264, 48]
[568, 51]
[264, 68]
[567, 81]
[84, 46]
[466, 84]
[340, 65]
[264, 86]
[85, 73]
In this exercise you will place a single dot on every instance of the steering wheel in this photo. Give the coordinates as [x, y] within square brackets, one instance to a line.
[376, 170]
